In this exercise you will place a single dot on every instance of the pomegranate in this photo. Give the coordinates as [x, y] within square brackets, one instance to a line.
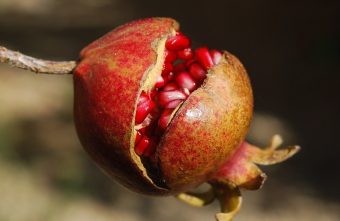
[162, 118]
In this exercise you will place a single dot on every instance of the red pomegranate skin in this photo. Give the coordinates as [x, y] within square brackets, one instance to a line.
[106, 86]
[205, 131]
[208, 128]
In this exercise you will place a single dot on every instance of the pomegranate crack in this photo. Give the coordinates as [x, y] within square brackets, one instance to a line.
[184, 70]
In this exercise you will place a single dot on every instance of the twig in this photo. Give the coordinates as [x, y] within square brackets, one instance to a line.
[36, 65]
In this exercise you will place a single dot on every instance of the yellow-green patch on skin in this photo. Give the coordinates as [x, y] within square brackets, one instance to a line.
[193, 148]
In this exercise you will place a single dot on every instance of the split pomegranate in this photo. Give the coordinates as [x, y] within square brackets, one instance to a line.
[178, 80]
[162, 117]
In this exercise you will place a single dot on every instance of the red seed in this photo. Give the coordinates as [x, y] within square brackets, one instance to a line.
[204, 58]
[165, 97]
[215, 56]
[185, 54]
[177, 42]
[159, 82]
[184, 80]
[189, 62]
[143, 144]
[153, 93]
[168, 76]
[179, 67]
[165, 118]
[143, 110]
[143, 98]
[148, 130]
[171, 56]
[171, 87]
[150, 150]
[197, 72]
[173, 104]
[139, 136]
[167, 67]
[171, 76]
[143, 130]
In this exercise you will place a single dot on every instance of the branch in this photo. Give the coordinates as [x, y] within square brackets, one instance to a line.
[36, 65]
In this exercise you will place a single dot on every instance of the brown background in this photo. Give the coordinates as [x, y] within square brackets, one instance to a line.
[291, 50]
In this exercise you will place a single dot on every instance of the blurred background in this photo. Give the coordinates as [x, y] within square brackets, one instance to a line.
[291, 50]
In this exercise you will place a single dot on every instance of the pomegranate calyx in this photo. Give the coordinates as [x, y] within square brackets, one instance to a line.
[241, 169]
[230, 200]
[227, 194]
[197, 199]
[271, 155]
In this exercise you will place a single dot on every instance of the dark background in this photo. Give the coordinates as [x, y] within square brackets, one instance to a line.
[291, 50]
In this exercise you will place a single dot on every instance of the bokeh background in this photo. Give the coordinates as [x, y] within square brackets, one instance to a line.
[291, 50]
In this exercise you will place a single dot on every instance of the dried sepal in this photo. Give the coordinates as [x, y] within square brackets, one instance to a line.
[230, 200]
[271, 154]
[240, 171]
[228, 195]
[198, 199]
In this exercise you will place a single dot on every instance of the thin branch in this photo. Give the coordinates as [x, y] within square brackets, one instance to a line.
[36, 65]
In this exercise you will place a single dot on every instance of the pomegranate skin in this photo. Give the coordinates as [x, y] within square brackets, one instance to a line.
[208, 128]
[203, 134]
[107, 81]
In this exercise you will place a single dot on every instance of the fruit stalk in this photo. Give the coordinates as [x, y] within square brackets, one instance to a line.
[39, 66]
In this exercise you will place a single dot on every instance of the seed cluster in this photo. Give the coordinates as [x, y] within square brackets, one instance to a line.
[184, 70]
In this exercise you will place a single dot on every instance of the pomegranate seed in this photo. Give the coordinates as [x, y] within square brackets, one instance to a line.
[160, 82]
[179, 67]
[189, 62]
[215, 56]
[170, 87]
[165, 97]
[173, 104]
[139, 136]
[171, 56]
[177, 42]
[168, 76]
[171, 76]
[147, 131]
[184, 80]
[142, 145]
[165, 118]
[143, 98]
[143, 110]
[197, 72]
[149, 152]
[167, 67]
[143, 130]
[153, 93]
[203, 57]
[185, 54]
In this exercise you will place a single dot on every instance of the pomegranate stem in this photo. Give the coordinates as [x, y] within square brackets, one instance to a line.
[39, 66]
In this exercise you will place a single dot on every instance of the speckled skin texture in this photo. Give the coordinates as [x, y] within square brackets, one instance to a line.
[204, 133]
[107, 81]
[208, 128]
